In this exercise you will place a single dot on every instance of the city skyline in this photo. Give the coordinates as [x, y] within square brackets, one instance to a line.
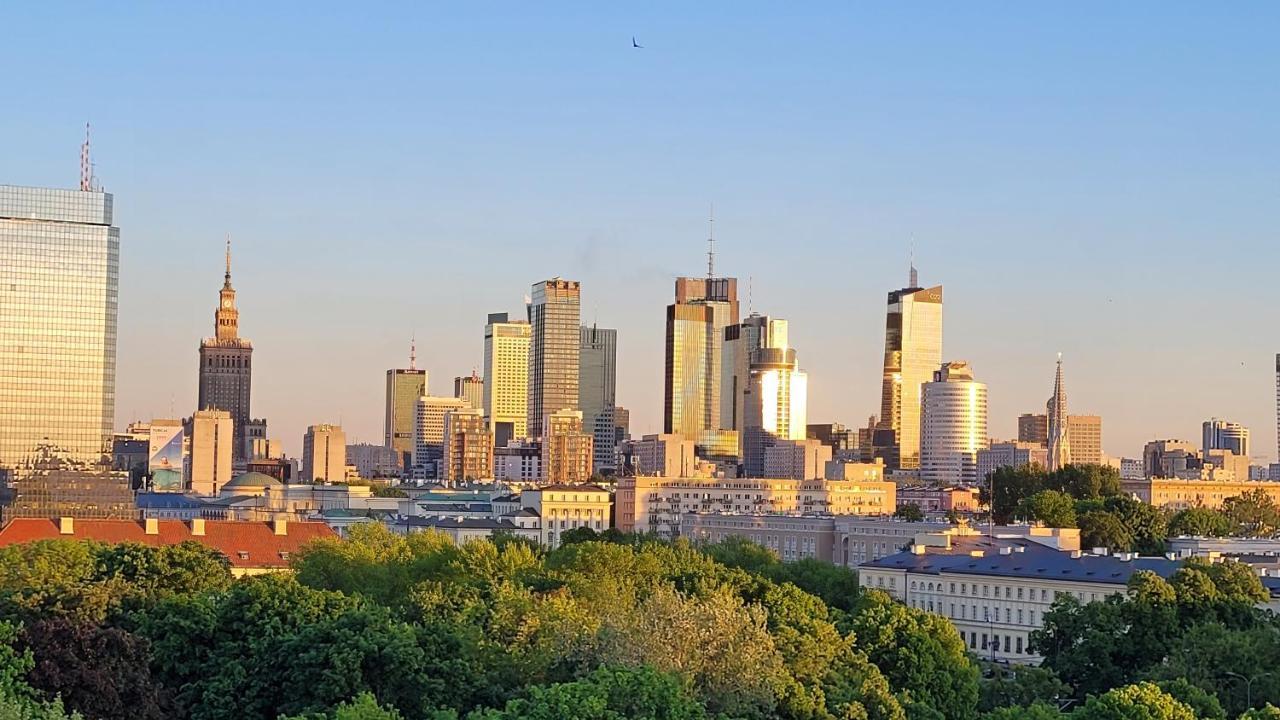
[1127, 200]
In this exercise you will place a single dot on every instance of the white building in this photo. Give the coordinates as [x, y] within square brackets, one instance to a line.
[428, 427]
[953, 425]
[506, 377]
[324, 454]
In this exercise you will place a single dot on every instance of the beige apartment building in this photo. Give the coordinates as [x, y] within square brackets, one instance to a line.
[566, 449]
[468, 446]
[565, 507]
[212, 440]
[1176, 493]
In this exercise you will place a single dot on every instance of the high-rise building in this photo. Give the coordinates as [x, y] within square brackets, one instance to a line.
[324, 454]
[59, 284]
[775, 405]
[470, 389]
[554, 350]
[1084, 435]
[597, 394]
[1225, 435]
[566, 449]
[666, 454]
[740, 341]
[796, 459]
[404, 387]
[1034, 428]
[912, 352]
[621, 425]
[428, 428]
[375, 461]
[213, 442]
[1059, 437]
[226, 372]
[506, 373]
[953, 425]
[703, 308]
[468, 447]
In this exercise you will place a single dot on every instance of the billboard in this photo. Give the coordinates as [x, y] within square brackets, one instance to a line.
[165, 448]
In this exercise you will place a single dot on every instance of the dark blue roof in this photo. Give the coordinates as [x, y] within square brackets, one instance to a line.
[168, 501]
[456, 522]
[1032, 561]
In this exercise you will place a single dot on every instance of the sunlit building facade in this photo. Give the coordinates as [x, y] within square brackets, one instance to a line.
[740, 341]
[468, 447]
[953, 426]
[59, 286]
[566, 448]
[226, 370]
[703, 308]
[776, 405]
[912, 352]
[554, 319]
[597, 394]
[506, 373]
[404, 387]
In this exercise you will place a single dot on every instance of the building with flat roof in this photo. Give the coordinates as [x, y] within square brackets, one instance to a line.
[324, 454]
[598, 395]
[1177, 493]
[953, 425]
[566, 507]
[912, 352]
[506, 373]
[554, 350]
[695, 328]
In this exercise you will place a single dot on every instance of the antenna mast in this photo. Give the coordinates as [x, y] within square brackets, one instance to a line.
[413, 352]
[86, 169]
[711, 243]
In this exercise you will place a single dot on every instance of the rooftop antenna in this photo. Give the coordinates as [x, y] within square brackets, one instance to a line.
[413, 351]
[711, 243]
[915, 276]
[86, 169]
[228, 275]
[751, 294]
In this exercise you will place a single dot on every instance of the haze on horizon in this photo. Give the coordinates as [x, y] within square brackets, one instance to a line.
[1092, 179]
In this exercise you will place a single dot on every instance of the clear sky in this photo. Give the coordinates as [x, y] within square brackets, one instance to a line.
[1097, 179]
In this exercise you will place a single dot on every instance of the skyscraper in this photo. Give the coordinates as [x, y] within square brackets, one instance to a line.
[775, 405]
[740, 341]
[506, 373]
[912, 351]
[1059, 436]
[953, 425]
[404, 387]
[1225, 435]
[704, 307]
[59, 283]
[470, 389]
[554, 352]
[226, 373]
[428, 430]
[324, 454]
[1084, 434]
[597, 393]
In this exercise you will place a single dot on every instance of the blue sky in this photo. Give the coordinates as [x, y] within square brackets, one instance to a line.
[1098, 179]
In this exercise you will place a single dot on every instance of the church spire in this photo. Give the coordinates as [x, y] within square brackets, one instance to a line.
[1059, 423]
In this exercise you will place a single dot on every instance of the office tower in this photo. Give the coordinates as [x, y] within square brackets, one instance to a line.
[468, 447]
[1014, 453]
[1225, 435]
[566, 449]
[213, 442]
[404, 387]
[1034, 428]
[704, 307]
[324, 454]
[740, 341]
[953, 425]
[843, 441]
[374, 461]
[226, 372]
[1084, 434]
[775, 405]
[665, 455]
[796, 459]
[1170, 458]
[1059, 438]
[59, 283]
[912, 352]
[506, 375]
[597, 393]
[554, 353]
[621, 425]
[49, 484]
[428, 428]
[256, 444]
[470, 389]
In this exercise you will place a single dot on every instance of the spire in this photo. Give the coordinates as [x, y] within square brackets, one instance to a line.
[1059, 440]
[711, 243]
[86, 167]
[226, 279]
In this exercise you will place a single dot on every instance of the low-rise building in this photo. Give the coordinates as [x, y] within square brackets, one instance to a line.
[518, 462]
[1013, 453]
[932, 500]
[791, 537]
[462, 530]
[1177, 493]
[565, 507]
[796, 459]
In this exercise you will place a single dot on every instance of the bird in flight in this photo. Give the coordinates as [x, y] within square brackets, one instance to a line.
[635, 44]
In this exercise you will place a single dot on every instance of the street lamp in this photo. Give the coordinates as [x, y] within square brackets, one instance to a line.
[1248, 685]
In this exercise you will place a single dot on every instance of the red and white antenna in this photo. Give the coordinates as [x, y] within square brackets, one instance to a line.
[86, 168]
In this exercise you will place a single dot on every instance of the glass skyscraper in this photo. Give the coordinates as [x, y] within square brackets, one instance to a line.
[598, 393]
[554, 350]
[912, 352]
[696, 323]
[59, 287]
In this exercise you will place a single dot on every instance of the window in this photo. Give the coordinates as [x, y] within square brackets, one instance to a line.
[1008, 615]
[1019, 616]
[1019, 644]
[1006, 643]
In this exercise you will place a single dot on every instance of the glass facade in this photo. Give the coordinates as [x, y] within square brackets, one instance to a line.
[597, 393]
[404, 387]
[59, 288]
[913, 350]
[506, 377]
[554, 351]
[696, 323]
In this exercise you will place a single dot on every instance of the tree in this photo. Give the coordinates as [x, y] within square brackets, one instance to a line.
[1020, 685]
[1050, 507]
[1099, 528]
[1205, 704]
[1086, 481]
[1143, 701]
[577, 535]
[1200, 522]
[921, 654]
[1254, 513]
[1269, 712]
[1038, 711]
[1148, 525]
[910, 512]
[606, 694]
[1008, 486]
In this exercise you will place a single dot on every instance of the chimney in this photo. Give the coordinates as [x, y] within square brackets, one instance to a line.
[153, 526]
[1100, 551]
[66, 526]
[197, 526]
[280, 526]
[917, 549]
[1075, 554]
[1006, 551]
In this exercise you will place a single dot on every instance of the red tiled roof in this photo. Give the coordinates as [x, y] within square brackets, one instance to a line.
[246, 544]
